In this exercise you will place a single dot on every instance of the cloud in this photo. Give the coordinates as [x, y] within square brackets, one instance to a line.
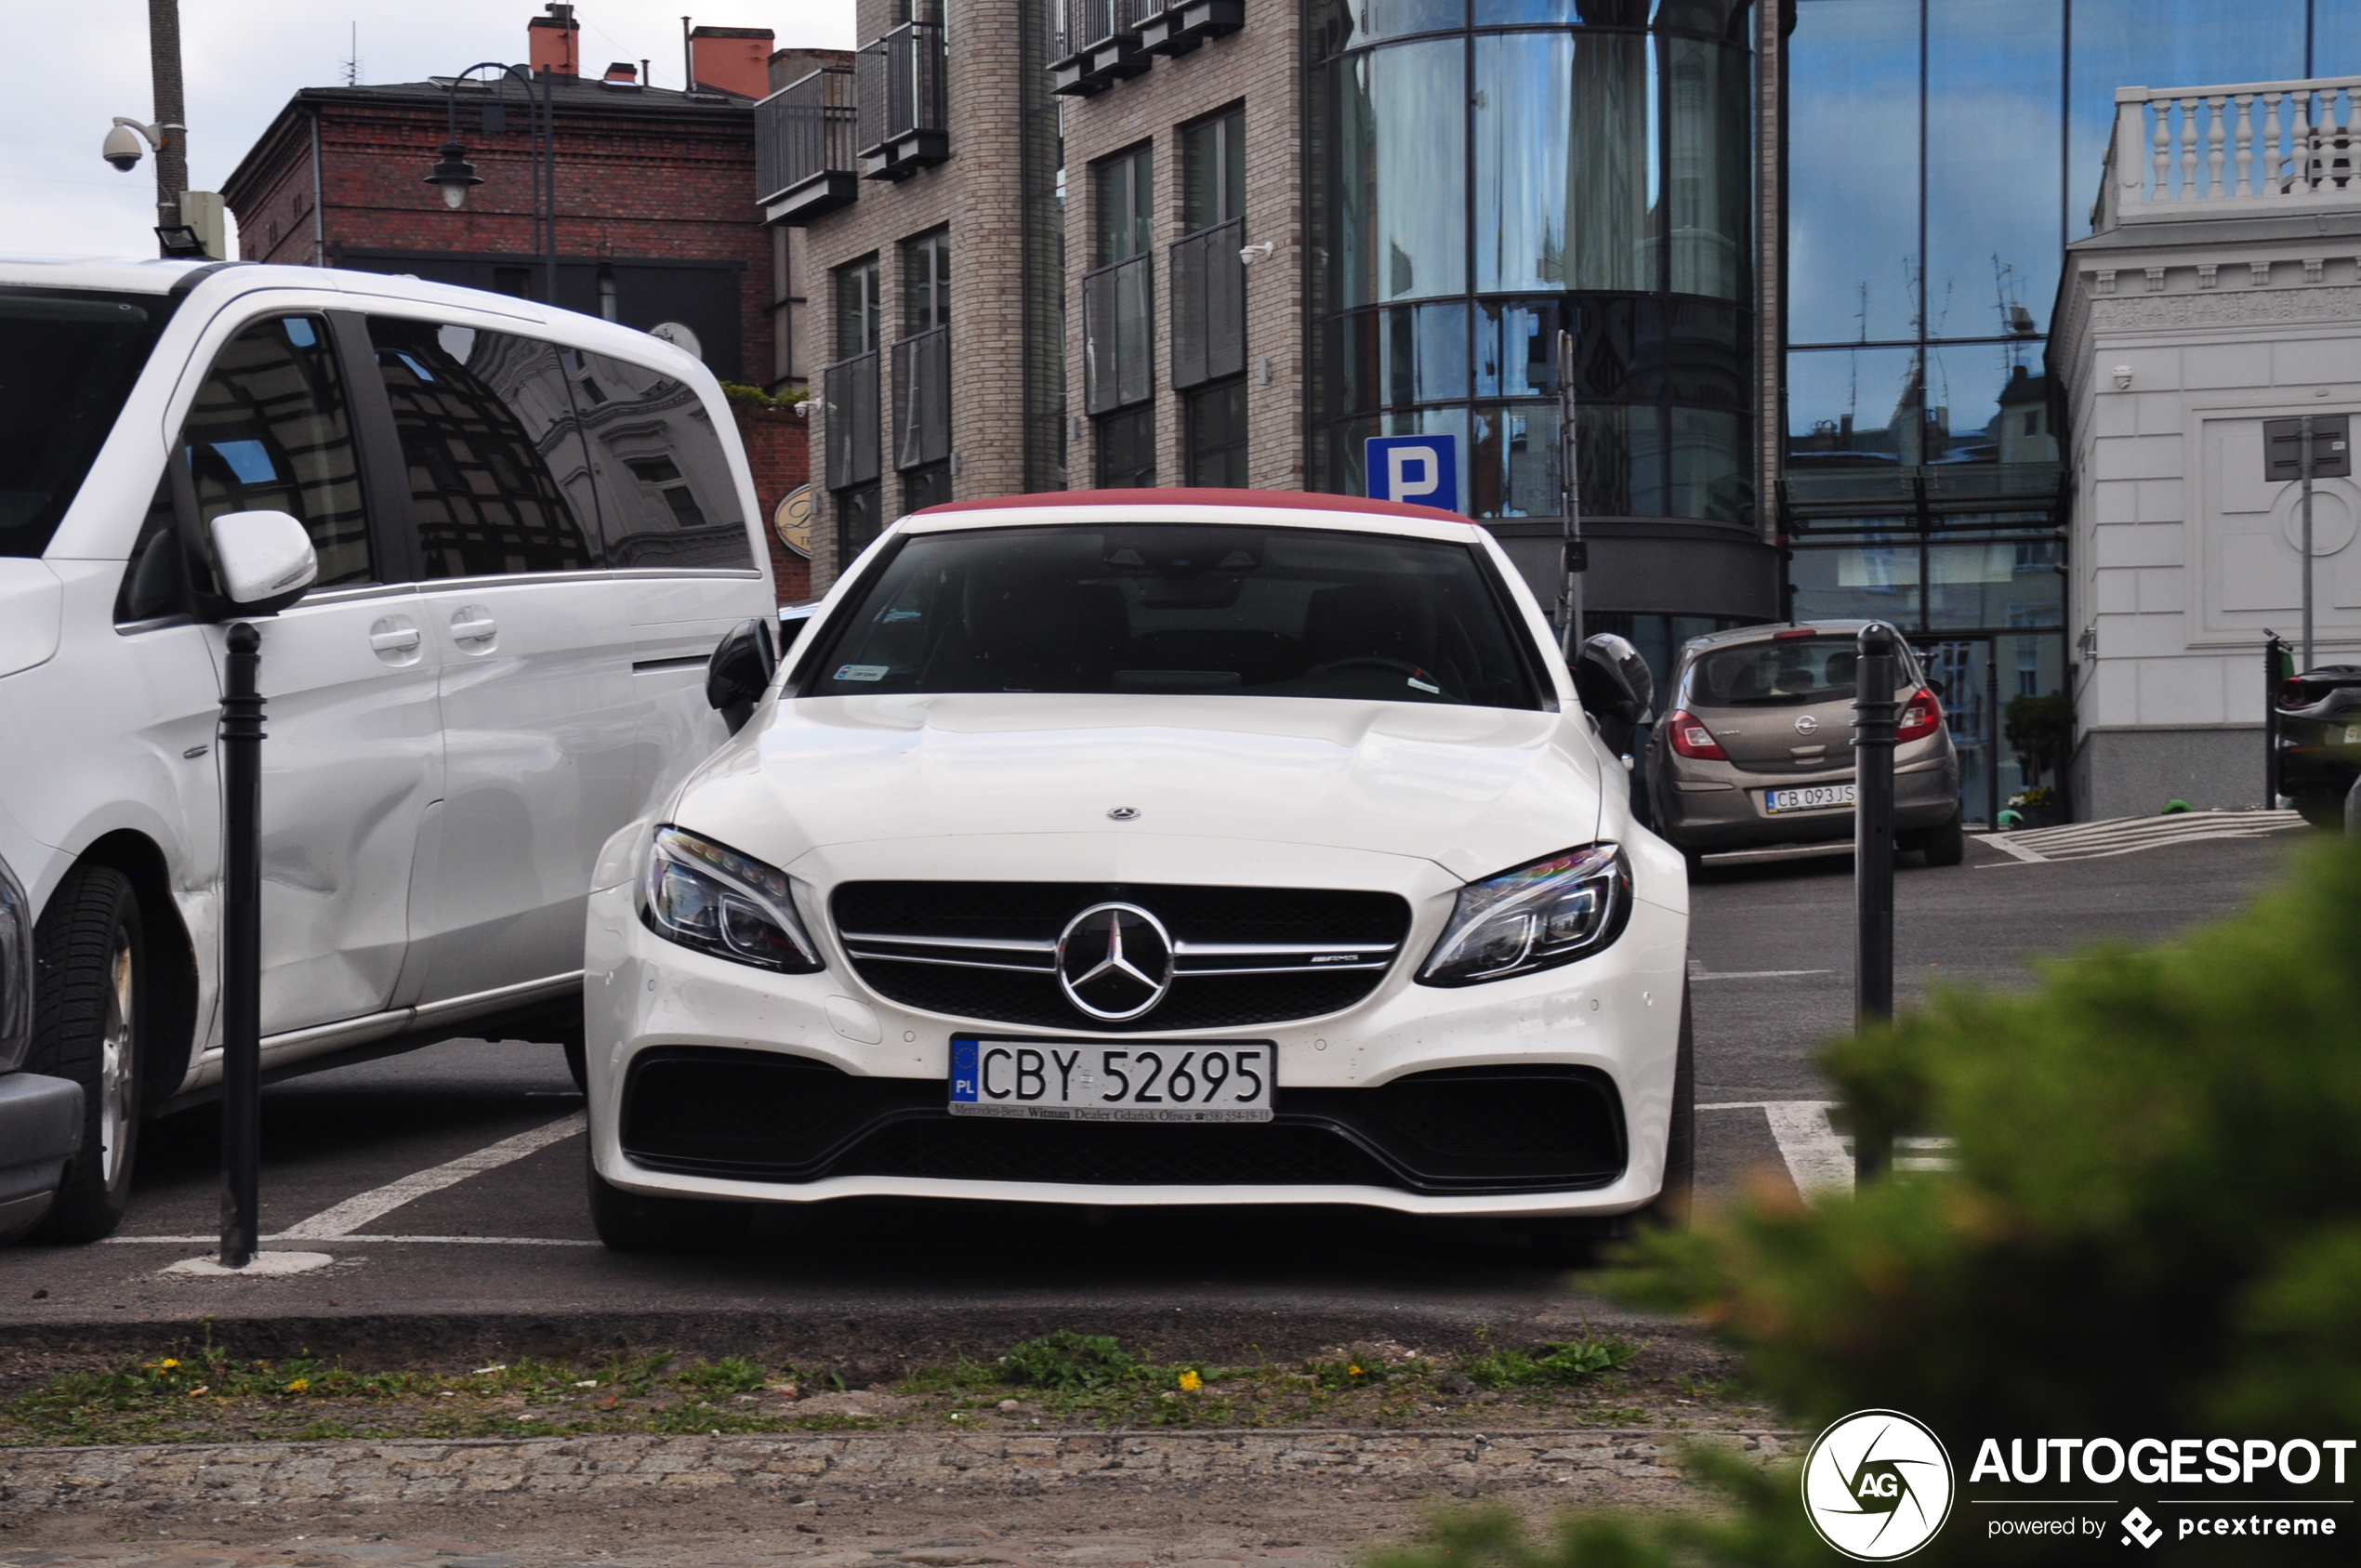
[81, 64]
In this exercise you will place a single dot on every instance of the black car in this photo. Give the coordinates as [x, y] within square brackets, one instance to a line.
[2320, 741]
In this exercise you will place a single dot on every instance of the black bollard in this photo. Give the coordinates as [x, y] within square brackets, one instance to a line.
[2274, 670]
[240, 950]
[1874, 710]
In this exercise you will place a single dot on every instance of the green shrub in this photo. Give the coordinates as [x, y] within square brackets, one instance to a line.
[1554, 1366]
[2153, 1225]
[1070, 1363]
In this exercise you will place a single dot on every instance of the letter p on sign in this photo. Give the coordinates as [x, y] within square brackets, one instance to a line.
[1422, 469]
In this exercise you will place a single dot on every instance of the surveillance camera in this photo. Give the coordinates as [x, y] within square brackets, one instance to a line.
[121, 149]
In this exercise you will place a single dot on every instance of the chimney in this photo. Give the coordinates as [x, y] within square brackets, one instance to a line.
[732, 60]
[622, 76]
[555, 42]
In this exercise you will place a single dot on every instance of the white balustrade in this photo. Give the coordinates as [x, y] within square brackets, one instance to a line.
[2181, 152]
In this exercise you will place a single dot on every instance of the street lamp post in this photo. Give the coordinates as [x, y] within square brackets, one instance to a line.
[455, 177]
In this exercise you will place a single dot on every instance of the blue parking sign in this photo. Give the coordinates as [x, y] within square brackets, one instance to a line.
[1423, 471]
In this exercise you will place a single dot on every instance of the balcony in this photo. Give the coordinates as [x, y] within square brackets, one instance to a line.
[1118, 335]
[1100, 46]
[1175, 27]
[922, 399]
[803, 148]
[849, 394]
[2238, 149]
[1209, 305]
[904, 127]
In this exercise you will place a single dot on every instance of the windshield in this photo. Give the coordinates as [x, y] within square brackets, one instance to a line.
[1789, 672]
[67, 361]
[1180, 608]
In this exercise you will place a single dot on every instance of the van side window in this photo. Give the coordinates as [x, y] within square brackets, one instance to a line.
[487, 426]
[665, 495]
[268, 432]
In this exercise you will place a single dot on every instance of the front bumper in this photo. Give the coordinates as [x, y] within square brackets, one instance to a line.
[1544, 1095]
[40, 1130]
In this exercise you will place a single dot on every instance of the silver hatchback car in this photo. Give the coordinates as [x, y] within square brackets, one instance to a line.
[1756, 746]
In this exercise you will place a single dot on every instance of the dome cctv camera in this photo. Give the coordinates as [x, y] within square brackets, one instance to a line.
[121, 149]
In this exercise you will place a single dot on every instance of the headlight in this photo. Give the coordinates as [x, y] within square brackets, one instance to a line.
[16, 970]
[706, 896]
[1535, 917]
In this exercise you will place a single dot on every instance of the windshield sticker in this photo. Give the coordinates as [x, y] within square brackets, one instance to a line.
[1422, 686]
[864, 672]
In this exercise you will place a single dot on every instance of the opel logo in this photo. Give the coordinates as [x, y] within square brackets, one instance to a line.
[1805, 724]
[1115, 961]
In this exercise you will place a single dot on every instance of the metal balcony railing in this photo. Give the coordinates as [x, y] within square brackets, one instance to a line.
[1098, 45]
[922, 399]
[1175, 27]
[1118, 335]
[803, 147]
[849, 393]
[1209, 305]
[903, 120]
[2231, 150]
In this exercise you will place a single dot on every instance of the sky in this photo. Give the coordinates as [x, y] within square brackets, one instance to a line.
[83, 63]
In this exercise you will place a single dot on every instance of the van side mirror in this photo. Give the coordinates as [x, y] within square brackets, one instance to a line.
[1615, 687]
[265, 560]
[739, 671]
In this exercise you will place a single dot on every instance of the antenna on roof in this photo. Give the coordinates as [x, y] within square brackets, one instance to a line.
[352, 60]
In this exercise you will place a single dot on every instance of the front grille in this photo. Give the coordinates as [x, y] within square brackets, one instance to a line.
[1242, 956]
[760, 1116]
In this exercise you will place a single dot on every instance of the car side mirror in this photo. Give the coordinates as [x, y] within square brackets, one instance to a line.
[739, 671]
[265, 560]
[1615, 687]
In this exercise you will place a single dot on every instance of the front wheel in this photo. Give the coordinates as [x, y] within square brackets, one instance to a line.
[636, 1222]
[89, 1024]
[1674, 1199]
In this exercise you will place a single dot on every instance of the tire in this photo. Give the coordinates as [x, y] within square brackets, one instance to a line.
[89, 1024]
[1674, 1199]
[634, 1222]
[1947, 845]
[578, 1062]
[2322, 808]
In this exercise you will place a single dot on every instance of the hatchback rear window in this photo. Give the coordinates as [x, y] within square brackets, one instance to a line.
[67, 359]
[1789, 672]
[1207, 609]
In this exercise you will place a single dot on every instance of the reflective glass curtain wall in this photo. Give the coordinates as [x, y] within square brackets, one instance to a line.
[1499, 170]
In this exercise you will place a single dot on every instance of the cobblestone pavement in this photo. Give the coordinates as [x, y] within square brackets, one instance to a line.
[1290, 1499]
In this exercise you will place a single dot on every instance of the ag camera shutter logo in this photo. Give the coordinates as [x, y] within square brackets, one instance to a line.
[1877, 1486]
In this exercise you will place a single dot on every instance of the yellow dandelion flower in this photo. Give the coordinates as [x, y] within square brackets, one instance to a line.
[167, 1363]
[298, 1385]
[1191, 1382]
[1355, 1371]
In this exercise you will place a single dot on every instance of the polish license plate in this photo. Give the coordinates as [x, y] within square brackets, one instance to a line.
[1811, 798]
[1096, 1081]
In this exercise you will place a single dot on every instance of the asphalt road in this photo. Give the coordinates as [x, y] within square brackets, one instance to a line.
[510, 1247]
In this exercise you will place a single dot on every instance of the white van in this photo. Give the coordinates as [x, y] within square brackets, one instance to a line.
[530, 528]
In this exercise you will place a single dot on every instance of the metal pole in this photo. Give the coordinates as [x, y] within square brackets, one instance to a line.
[1992, 734]
[549, 167]
[2307, 543]
[1873, 723]
[240, 950]
[2271, 677]
[164, 67]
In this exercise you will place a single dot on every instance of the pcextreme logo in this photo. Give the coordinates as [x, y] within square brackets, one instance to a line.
[1877, 1485]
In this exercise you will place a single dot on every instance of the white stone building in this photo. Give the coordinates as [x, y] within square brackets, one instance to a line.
[2222, 287]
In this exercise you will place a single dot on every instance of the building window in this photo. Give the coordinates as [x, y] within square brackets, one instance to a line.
[1127, 450]
[922, 357]
[1217, 435]
[1208, 275]
[848, 387]
[1118, 296]
[930, 486]
[857, 307]
[1213, 188]
[858, 523]
[926, 283]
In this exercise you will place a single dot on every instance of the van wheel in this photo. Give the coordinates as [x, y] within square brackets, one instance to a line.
[635, 1222]
[89, 1024]
[1947, 845]
[1674, 1198]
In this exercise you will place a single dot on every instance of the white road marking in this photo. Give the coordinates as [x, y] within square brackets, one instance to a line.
[1756, 974]
[2125, 835]
[2007, 844]
[339, 1223]
[1817, 1160]
[444, 1241]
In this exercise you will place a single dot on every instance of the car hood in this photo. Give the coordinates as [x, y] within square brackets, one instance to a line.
[1474, 790]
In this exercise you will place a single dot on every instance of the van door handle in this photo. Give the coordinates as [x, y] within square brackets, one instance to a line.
[478, 630]
[399, 640]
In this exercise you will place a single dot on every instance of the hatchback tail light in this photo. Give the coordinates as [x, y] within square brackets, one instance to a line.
[1922, 716]
[1691, 738]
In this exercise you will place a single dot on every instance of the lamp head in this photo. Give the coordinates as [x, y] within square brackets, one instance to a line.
[454, 174]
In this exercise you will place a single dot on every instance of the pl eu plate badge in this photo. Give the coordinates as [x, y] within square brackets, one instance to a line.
[792, 521]
[963, 1071]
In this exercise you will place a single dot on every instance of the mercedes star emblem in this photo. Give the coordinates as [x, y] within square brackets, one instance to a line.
[1805, 724]
[1123, 813]
[1115, 961]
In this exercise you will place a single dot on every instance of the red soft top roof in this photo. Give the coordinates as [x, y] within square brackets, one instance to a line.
[1181, 495]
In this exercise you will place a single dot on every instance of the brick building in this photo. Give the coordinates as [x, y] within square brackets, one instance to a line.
[1113, 243]
[654, 224]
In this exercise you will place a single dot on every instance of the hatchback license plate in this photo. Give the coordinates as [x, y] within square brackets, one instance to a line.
[1811, 797]
[1093, 1081]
